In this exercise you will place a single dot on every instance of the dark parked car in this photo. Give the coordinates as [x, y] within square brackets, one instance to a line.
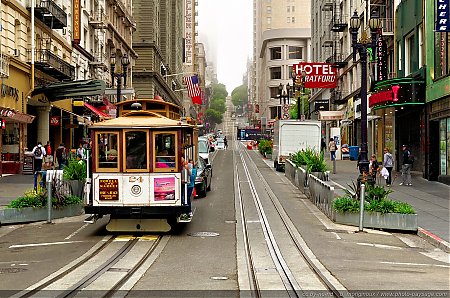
[203, 179]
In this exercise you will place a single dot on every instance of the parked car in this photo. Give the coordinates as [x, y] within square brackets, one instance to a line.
[204, 177]
[204, 149]
[220, 144]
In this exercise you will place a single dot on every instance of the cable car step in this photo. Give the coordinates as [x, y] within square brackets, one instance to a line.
[91, 219]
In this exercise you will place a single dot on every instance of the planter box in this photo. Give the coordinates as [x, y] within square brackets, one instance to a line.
[29, 214]
[388, 221]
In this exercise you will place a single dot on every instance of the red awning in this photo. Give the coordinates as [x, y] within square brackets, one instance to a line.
[96, 111]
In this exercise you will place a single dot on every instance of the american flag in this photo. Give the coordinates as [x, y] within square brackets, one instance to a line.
[194, 91]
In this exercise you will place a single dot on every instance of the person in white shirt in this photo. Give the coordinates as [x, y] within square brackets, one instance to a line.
[38, 153]
[81, 151]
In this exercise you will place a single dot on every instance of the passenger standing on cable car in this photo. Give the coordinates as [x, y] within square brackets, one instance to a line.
[191, 185]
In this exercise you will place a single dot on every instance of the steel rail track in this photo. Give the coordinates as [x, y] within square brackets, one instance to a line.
[289, 282]
[289, 227]
[69, 270]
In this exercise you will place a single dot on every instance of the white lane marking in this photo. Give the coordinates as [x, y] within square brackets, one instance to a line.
[415, 264]
[380, 246]
[43, 244]
[76, 232]
[337, 236]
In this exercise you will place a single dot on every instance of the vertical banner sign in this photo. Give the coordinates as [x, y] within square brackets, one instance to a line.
[76, 21]
[188, 35]
[443, 16]
[381, 58]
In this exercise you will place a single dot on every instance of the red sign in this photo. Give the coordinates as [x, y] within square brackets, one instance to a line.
[384, 96]
[2, 124]
[317, 75]
[54, 120]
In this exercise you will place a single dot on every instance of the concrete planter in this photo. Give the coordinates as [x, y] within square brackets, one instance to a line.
[29, 214]
[388, 221]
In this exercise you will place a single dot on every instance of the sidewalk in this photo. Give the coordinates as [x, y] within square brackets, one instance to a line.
[430, 199]
[14, 186]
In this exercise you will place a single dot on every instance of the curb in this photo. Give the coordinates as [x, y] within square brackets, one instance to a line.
[433, 239]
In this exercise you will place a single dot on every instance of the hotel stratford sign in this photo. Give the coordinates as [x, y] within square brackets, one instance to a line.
[317, 75]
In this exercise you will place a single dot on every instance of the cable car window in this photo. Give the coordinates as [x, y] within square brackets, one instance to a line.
[165, 151]
[107, 144]
[136, 150]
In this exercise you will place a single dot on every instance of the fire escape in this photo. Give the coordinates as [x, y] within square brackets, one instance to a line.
[337, 25]
[47, 61]
[99, 22]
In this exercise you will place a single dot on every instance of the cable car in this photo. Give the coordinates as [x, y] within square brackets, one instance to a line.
[136, 171]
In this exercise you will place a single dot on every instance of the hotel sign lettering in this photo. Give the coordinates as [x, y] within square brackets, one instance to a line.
[188, 29]
[317, 75]
[76, 21]
[9, 91]
[443, 16]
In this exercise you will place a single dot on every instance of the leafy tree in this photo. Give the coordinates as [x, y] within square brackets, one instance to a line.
[293, 112]
[218, 105]
[219, 91]
[213, 117]
[239, 96]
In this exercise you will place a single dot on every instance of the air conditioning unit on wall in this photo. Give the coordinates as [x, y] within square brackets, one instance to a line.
[16, 52]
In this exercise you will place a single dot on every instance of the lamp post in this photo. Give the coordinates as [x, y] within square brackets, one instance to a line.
[284, 97]
[301, 87]
[361, 47]
[125, 62]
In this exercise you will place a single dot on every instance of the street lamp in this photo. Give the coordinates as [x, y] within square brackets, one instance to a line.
[361, 47]
[125, 62]
[284, 96]
[301, 87]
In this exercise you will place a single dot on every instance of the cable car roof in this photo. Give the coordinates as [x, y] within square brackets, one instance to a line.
[141, 119]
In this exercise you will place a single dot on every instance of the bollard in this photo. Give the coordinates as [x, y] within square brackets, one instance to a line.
[361, 207]
[49, 198]
[334, 166]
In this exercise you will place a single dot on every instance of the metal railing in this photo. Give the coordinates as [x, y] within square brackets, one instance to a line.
[388, 25]
[53, 9]
[321, 194]
[48, 60]
[297, 175]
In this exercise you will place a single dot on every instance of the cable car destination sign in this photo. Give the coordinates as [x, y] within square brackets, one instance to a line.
[317, 75]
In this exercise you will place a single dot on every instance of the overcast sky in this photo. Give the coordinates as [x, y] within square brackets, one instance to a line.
[225, 27]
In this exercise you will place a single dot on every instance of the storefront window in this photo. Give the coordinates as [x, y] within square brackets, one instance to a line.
[107, 146]
[136, 150]
[165, 151]
[10, 142]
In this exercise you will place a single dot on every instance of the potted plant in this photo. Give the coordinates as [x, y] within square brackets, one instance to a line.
[379, 210]
[265, 148]
[75, 173]
[311, 161]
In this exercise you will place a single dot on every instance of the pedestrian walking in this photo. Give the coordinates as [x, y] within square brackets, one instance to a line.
[81, 151]
[406, 166]
[61, 156]
[225, 142]
[332, 148]
[388, 164]
[323, 145]
[39, 154]
[374, 166]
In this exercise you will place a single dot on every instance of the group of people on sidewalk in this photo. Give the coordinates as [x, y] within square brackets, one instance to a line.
[385, 170]
[43, 156]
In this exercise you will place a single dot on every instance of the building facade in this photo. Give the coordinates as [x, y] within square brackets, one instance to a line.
[282, 36]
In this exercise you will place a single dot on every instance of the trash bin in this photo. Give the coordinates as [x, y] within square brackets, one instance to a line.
[354, 151]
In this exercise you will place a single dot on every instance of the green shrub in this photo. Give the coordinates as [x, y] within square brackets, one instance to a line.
[265, 146]
[346, 204]
[31, 198]
[71, 200]
[313, 160]
[403, 208]
[74, 170]
[376, 192]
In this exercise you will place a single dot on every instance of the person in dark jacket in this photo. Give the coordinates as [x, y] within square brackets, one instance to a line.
[406, 166]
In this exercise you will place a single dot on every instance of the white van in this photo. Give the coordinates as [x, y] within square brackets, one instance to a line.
[203, 149]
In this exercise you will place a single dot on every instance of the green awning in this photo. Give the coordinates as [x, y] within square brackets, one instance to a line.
[60, 91]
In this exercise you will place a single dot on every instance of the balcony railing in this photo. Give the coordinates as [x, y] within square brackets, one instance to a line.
[339, 23]
[100, 61]
[388, 26]
[339, 96]
[98, 20]
[337, 60]
[49, 63]
[4, 66]
[50, 13]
